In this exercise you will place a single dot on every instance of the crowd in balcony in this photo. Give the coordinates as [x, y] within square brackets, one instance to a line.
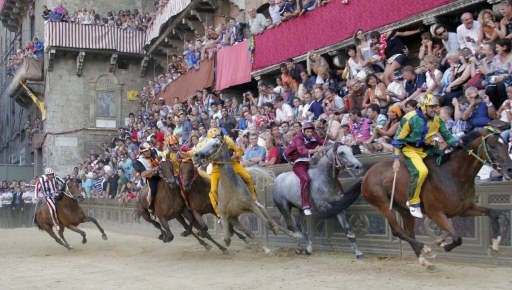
[124, 18]
[33, 49]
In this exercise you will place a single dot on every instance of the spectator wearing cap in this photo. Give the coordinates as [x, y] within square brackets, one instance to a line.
[284, 112]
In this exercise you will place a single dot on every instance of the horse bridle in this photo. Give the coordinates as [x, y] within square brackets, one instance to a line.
[196, 173]
[159, 173]
[66, 190]
[488, 161]
[209, 159]
[336, 162]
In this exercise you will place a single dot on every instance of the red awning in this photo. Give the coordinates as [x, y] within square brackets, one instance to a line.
[233, 65]
[188, 84]
[331, 24]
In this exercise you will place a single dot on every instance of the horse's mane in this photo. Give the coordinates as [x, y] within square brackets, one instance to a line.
[467, 139]
[317, 157]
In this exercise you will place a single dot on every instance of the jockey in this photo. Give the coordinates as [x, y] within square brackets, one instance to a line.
[415, 139]
[175, 153]
[304, 145]
[147, 166]
[49, 185]
[239, 169]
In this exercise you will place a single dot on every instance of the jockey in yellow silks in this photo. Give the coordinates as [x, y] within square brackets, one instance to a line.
[237, 167]
[415, 140]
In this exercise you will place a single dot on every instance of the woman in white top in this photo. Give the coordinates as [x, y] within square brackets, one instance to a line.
[362, 44]
[433, 75]
[355, 61]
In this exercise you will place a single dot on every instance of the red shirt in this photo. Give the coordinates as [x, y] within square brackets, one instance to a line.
[273, 152]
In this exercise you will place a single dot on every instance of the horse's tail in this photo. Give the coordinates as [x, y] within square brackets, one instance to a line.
[137, 212]
[347, 200]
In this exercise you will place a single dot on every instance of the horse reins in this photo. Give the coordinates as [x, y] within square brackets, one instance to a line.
[483, 145]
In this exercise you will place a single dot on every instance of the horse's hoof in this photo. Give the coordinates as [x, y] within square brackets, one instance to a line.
[84, 241]
[246, 241]
[69, 248]
[268, 251]
[299, 251]
[360, 256]
[161, 237]
[225, 251]
[104, 237]
[186, 233]
[227, 241]
[432, 268]
[309, 250]
[492, 253]
[207, 247]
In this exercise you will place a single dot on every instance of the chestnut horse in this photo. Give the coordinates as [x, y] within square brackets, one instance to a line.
[69, 214]
[169, 204]
[448, 191]
[197, 188]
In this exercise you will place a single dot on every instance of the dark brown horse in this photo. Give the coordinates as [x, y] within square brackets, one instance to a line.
[448, 191]
[69, 215]
[169, 204]
[197, 189]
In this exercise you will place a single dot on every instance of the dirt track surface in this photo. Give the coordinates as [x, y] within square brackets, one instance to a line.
[31, 259]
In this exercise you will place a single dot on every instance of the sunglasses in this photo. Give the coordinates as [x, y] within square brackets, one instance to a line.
[441, 33]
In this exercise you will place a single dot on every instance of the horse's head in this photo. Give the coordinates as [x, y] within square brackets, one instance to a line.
[166, 172]
[210, 151]
[344, 156]
[188, 174]
[72, 189]
[487, 145]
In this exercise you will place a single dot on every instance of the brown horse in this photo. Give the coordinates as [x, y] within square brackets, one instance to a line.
[448, 191]
[234, 197]
[69, 215]
[169, 204]
[197, 189]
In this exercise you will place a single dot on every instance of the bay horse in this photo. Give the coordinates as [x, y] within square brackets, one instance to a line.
[234, 197]
[448, 191]
[69, 214]
[197, 188]
[169, 204]
[325, 193]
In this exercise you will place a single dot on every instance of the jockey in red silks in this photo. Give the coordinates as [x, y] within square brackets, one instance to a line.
[48, 185]
[304, 145]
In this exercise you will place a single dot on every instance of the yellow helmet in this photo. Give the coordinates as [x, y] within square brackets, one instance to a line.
[430, 100]
[213, 132]
[173, 140]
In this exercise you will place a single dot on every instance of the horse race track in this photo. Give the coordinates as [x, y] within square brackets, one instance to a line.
[31, 259]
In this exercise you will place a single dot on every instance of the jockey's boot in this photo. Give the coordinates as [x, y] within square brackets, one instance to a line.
[307, 211]
[415, 210]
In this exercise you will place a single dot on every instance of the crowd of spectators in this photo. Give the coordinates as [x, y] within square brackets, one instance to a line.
[33, 49]
[17, 203]
[124, 18]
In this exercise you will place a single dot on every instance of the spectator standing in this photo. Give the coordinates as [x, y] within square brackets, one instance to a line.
[257, 22]
[273, 10]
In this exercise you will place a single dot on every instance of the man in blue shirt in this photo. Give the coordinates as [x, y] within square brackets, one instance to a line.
[254, 153]
[414, 84]
[316, 106]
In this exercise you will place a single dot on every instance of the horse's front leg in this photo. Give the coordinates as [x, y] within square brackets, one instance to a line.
[345, 226]
[61, 235]
[168, 237]
[93, 220]
[188, 227]
[52, 234]
[499, 223]
[77, 230]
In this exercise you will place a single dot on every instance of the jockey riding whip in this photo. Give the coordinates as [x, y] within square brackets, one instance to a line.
[393, 191]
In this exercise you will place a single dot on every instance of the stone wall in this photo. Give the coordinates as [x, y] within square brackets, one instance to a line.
[82, 110]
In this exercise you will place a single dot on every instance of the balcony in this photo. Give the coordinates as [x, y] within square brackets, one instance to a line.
[338, 23]
[12, 13]
[30, 73]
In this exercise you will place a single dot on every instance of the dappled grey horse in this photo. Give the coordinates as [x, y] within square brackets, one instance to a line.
[325, 194]
[234, 197]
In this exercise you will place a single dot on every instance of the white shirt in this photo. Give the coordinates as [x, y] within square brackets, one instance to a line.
[463, 32]
[452, 43]
[305, 110]
[6, 198]
[257, 24]
[273, 10]
[285, 113]
[396, 88]
[28, 197]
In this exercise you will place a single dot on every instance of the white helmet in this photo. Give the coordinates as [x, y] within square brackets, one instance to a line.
[48, 170]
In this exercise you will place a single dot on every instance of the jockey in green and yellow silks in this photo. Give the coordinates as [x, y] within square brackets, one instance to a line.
[415, 140]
